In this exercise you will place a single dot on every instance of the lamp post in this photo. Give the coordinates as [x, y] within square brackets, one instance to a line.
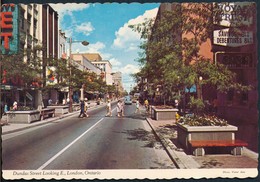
[200, 88]
[85, 43]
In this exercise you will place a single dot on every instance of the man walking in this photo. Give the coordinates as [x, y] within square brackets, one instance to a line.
[82, 109]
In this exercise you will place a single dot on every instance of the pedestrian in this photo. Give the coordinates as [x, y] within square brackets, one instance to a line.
[15, 105]
[109, 109]
[137, 104]
[5, 108]
[85, 107]
[146, 104]
[82, 106]
[50, 102]
[122, 108]
[176, 103]
[118, 108]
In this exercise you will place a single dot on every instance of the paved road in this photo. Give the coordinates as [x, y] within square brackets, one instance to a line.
[96, 142]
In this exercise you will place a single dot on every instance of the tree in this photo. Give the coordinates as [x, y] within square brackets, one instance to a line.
[22, 69]
[171, 57]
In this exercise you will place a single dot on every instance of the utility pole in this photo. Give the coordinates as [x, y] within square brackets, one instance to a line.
[85, 43]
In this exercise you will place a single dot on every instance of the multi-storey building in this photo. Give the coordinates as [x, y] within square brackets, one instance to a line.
[117, 81]
[30, 25]
[239, 53]
[85, 64]
[104, 65]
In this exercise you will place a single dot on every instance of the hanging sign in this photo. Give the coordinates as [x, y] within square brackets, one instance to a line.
[9, 28]
[229, 38]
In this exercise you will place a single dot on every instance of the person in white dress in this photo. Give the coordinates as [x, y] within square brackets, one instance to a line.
[137, 104]
[109, 109]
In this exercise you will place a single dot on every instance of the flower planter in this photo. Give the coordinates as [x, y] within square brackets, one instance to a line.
[60, 110]
[186, 133]
[163, 114]
[23, 116]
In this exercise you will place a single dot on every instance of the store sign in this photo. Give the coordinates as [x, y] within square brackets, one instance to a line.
[236, 60]
[229, 38]
[9, 28]
[234, 14]
[7, 23]
[51, 77]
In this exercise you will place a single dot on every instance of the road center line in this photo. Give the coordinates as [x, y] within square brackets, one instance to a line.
[63, 150]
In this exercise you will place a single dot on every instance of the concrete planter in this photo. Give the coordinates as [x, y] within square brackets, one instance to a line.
[59, 110]
[187, 133]
[163, 114]
[75, 107]
[23, 116]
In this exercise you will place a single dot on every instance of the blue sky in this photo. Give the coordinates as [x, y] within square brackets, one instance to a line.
[105, 27]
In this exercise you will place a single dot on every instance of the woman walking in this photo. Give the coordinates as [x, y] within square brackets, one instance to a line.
[109, 110]
[119, 108]
[137, 104]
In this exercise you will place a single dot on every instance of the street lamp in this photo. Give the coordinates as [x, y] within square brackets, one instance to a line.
[200, 85]
[85, 43]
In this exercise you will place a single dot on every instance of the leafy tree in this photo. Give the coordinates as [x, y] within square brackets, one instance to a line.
[171, 56]
[26, 66]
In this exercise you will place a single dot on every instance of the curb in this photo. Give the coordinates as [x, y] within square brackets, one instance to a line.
[39, 123]
[179, 158]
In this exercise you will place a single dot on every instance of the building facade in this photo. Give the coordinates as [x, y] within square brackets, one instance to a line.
[104, 65]
[117, 82]
[239, 53]
[31, 26]
[85, 64]
[234, 44]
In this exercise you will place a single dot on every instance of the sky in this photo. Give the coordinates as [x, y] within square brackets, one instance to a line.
[105, 27]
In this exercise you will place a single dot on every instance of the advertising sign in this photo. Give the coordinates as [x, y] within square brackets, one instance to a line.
[9, 28]
[51, 77]
[236, 60]
[227, 37]
[234, 14]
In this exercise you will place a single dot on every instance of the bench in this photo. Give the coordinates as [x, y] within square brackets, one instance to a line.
[198, 146]
[47, 112]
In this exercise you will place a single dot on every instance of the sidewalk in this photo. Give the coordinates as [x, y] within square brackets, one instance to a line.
[14, 127]
[167, 134]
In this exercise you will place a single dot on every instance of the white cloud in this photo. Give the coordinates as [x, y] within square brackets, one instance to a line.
[68, 32]
[96, 47]
[77, 47]
[115, 62]
[68, 8]
[129, 69]
[106, 56]
[85, 28]
[126, 38]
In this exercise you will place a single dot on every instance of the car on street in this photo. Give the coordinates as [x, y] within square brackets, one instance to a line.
[128, 100]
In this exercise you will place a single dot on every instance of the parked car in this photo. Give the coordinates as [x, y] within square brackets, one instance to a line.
[128, 100]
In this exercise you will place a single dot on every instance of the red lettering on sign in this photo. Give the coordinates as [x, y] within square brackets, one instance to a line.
[6, 20]
[6, 6]
[6, 39]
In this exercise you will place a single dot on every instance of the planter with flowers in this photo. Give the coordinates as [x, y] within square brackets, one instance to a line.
[200, 133]
[23, 115]
[205, 127]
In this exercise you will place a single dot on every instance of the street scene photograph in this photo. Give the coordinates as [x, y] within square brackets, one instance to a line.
[159, 90]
